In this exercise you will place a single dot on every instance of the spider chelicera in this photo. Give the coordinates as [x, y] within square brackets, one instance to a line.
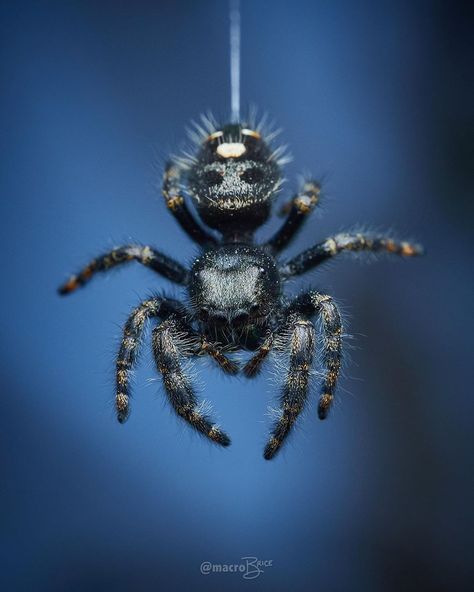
[235, 286]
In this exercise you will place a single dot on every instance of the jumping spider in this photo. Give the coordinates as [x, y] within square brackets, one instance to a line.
[235, 287]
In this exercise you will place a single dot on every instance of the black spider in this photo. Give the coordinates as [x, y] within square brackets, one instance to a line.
[235, 287]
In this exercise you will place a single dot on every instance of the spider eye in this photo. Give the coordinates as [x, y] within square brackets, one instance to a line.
[213, 177]
[253, 175]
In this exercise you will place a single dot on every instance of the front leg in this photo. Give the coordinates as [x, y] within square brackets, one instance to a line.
[299, 209]
[309, 305]
[296, 337]
[155, 308]
[165, 266]
[177, 206]
[345, 242]
[299, 344]
[169, 349]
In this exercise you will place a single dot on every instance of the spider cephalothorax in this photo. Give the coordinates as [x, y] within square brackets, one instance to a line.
[235, 286]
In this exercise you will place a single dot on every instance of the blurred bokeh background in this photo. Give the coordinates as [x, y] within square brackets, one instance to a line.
[376, 97]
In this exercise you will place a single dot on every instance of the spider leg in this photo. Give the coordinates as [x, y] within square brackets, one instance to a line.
[300, 343]
[130, 345]
[347, 242]
[314, 303]
[168, 350]
[171, 190]
[147, 256]
[298, 210]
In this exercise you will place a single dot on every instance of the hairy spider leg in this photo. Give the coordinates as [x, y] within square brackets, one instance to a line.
[132, 338]
[314, 303]
[345, 242]
[165, 266]
[296, 336]
[177, 206]
[130, 345]
[169, 354]
[300, 343]
[298, 211]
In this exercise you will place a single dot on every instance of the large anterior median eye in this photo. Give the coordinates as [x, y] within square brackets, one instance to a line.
[253, 175]
[213, 177]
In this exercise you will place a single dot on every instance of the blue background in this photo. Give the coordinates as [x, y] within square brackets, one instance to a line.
[375, 97]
